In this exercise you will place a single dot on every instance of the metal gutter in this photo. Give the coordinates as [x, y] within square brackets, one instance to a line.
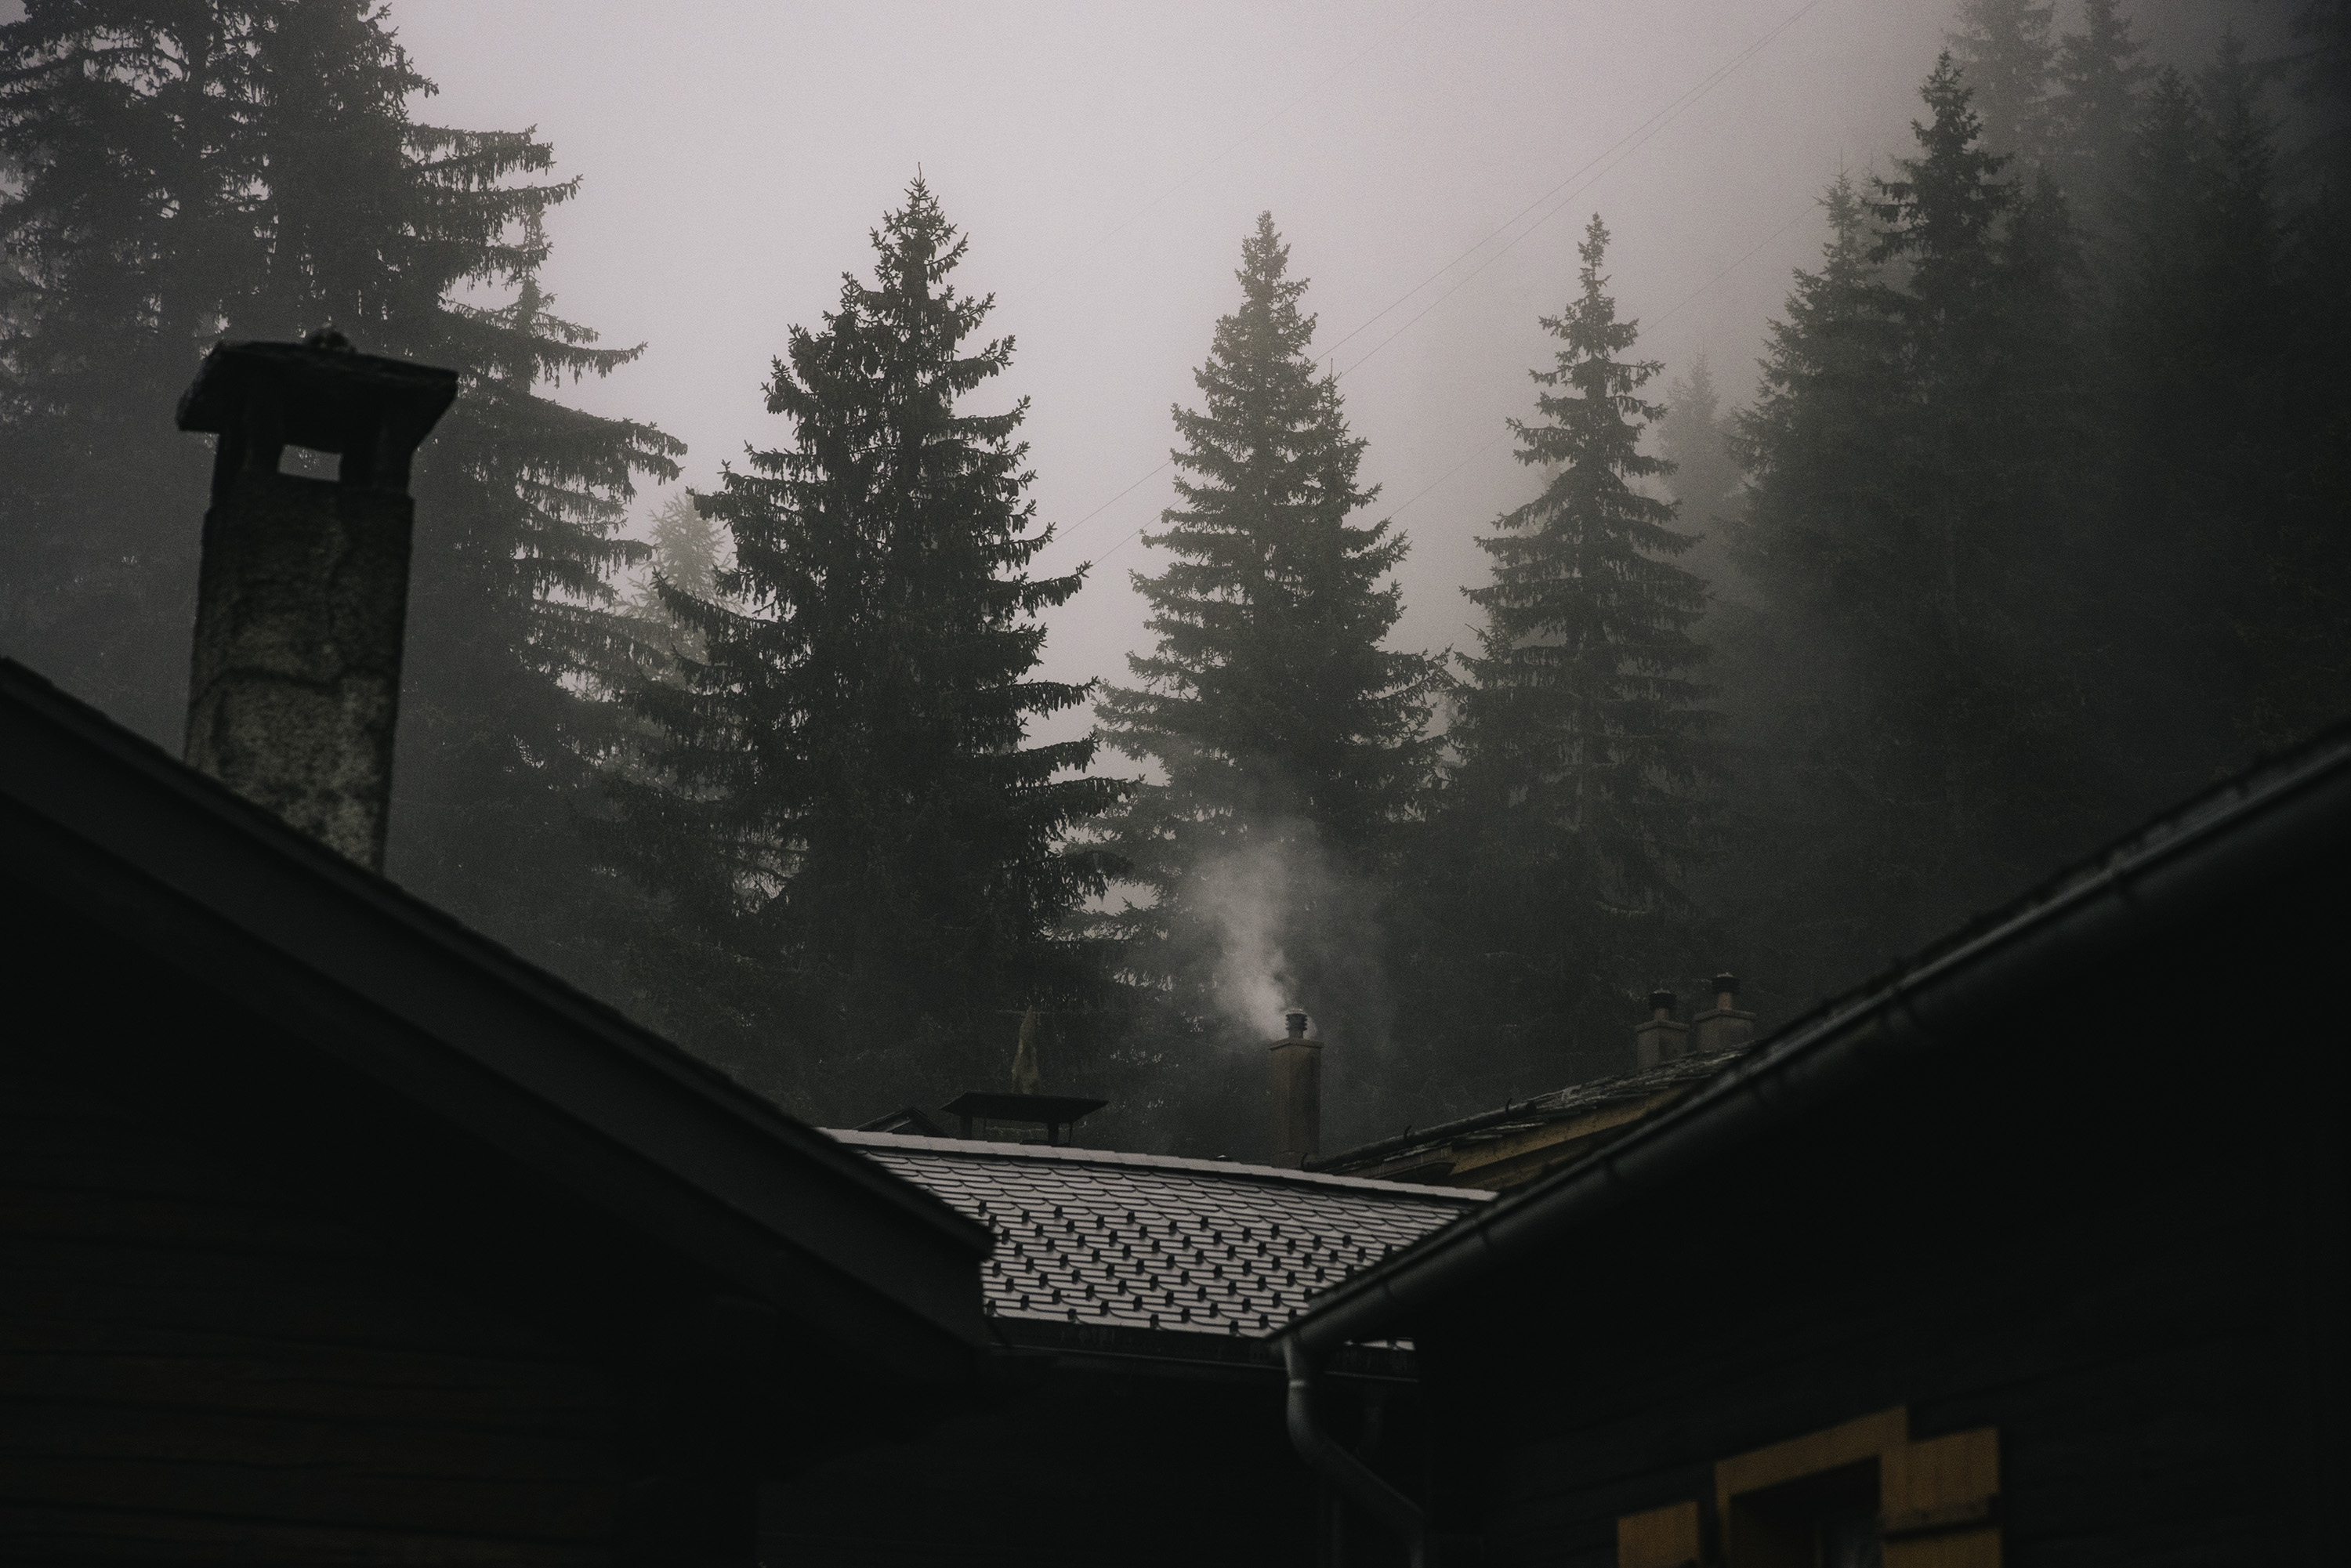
[2227, 843]
[1405, 1518]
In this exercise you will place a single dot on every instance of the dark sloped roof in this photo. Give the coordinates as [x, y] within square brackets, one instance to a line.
[1561, 1105]
[1199, 1247]
[398, 1012]
[2243, 837]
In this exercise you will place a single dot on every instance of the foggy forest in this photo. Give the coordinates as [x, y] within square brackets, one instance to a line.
[1777, 608]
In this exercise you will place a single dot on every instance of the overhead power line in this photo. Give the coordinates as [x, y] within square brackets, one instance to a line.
[1691, 298]
[1492, 442]
[1597, 167]
[1121, 496]
[1557, 198]
[1399, 510]
[1674, 309]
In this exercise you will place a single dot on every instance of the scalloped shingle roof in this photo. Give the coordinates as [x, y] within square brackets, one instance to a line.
[1088, 1236]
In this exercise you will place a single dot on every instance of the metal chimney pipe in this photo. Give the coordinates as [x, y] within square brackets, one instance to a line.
[302, 601]
[1297, 1098]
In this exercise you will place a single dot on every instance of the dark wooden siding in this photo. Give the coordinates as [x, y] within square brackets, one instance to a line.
[200, 1361]
[1168, 1465]
[2113, 1229]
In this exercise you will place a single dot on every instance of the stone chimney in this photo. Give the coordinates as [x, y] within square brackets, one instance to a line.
[1297, 1094]
[1659, 1039]
[303, 596]
[1722, 1026]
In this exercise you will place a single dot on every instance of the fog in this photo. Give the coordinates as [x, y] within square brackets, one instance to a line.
[2009, 580]
[1431, 165]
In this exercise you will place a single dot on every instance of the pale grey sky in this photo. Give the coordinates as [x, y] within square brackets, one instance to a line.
[1106, 159]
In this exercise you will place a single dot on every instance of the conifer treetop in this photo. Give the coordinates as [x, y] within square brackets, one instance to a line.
[2006, 50]
[2099, 73]
[1269, 691]
[1580, 714]
[1950, 195]
[854, 736]
[873, 397]
[1589, 434]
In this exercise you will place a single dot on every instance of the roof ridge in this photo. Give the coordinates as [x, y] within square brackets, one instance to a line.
[42, 701]
[1550, 1103]
[976, 1149]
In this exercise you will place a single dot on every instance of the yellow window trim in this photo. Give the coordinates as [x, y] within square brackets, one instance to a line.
[1662, 1537]
[1937, 1497]
[1864, 1438]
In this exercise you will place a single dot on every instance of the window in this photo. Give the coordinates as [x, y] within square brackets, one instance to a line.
[1859, 1495]
[1826, 1521]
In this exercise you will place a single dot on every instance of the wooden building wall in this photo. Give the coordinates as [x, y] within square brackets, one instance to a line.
[198, 1363]
[2111, 1229]
[1104, 1457]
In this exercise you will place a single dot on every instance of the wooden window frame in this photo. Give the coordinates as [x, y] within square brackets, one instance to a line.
[1938, 1498]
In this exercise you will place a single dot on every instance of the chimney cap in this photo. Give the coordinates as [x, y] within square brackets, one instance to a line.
[1025, 1109]
[333, 397]
[1296, 1018]
[1662, 1001]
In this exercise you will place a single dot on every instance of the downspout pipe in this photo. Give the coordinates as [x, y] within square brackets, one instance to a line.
[1355, 1480]
[2231, 843]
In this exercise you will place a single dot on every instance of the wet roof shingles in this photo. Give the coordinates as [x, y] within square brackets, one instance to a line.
[1147, 1241]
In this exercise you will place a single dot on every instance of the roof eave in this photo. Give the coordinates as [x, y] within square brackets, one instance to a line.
[2225, 842]
[426, 999]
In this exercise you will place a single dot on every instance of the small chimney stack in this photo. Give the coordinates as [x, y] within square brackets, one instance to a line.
[1027, 1074]
[303, 596]
[1659, 1039]
[1297, 1100]
[1722, 1027]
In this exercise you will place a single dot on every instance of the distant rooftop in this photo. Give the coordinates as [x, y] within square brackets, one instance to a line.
[1436, 1150]
[1149, 1241]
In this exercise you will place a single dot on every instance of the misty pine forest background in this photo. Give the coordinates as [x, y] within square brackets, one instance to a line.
[2031, 520]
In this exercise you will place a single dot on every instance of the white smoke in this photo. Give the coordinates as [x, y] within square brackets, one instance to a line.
[1269, 922]
[1248, 897]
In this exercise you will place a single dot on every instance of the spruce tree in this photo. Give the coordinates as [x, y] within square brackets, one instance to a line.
[127, 167]
[1811, 443]
[1984, 319]
[2177, 671]
[2313, 431]
[2095, 113]
[249, 170]
[849, 817]
[1703, 477]
[1694, 438]
[1269, 697]
[1290, 738]
[1907, 518]
[2005, 49]
[2226, 419]
[685, 557]
[2318, 66]
[1812, 867]
[1577, 806]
